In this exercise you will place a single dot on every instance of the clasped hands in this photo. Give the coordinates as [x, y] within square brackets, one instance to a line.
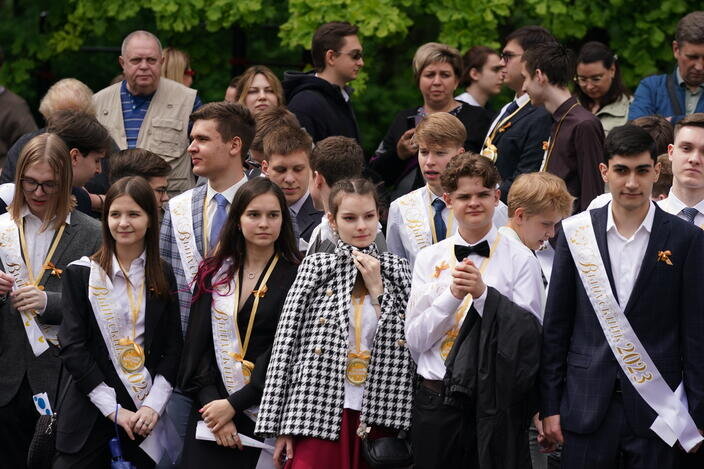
[467, 279]
[29, 298]
[141, 422]
[218, 415]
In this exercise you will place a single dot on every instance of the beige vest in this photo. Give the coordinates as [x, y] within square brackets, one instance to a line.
[164, 130]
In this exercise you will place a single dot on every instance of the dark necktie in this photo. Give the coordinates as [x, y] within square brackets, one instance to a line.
[219, 218]
[440, 228]
[481, 249]
[690, 213]
[510, 109]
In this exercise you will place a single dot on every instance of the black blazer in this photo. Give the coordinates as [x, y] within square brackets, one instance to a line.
[81, 238]
[199, 375]
[578, 372]
[520, 145]
[308, 218]
[85, 355]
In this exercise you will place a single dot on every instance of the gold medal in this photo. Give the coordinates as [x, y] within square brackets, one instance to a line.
[446, 346]
[357, 371]
[247, 369]
[489, 151]
[132, 359]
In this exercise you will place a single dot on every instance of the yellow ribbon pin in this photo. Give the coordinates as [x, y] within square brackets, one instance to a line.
[664, 256]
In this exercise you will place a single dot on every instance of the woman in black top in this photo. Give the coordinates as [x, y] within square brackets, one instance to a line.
[245, 282]
[437, 69]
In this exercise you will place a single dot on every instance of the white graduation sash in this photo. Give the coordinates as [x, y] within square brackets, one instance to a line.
[225, 339]
[673, 422]
[11, 256]
[113, 327]
[414, 216]
[182, 222]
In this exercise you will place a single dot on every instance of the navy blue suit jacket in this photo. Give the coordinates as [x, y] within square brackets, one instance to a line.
[666, 311]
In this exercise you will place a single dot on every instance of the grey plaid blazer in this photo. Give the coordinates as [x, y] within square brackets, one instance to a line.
[304, 392]
[169, 249]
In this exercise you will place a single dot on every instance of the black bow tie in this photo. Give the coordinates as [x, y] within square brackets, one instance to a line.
[481, 249]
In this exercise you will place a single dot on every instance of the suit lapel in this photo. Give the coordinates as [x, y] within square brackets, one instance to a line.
[306, 216]
[658, 237]
[523, 112]
[599, 218]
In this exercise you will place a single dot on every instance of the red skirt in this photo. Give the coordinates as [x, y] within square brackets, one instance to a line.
[344, 453]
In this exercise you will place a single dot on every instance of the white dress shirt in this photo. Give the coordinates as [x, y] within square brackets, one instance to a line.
[626, 255]
[674, 206]
[103, 396]
[467, 98]
[353, 392]
[512, 270]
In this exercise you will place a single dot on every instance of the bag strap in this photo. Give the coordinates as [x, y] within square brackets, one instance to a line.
[62, 395]
[674, 99]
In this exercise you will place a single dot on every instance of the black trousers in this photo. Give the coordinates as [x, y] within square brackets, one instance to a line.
[17, 421]
[442, 437]
[615, 440]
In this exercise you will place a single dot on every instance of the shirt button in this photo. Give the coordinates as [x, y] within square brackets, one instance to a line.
[402, 316]
[328, 292]
[401, 342]
[318, 351]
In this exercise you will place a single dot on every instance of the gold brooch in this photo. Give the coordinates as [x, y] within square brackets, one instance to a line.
[664, 256]
[54, 270]
[545, 145]
[439, 268]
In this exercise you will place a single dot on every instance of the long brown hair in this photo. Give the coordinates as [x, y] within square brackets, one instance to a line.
[46, 148]
[141, 192]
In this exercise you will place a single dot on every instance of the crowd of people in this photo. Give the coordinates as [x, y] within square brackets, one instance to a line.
[235, 284]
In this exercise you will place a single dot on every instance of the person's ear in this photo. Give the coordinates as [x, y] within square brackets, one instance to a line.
[330, 56]
[331, 221]
[236, 146]
[265, 168]
[518, 215]
[604, 170]
[448, 199]
[74, 154]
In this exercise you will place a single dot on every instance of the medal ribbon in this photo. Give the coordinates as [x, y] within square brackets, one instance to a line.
[47, 261]
[134, 314]
[357, 304]
[551, 144]
[497, 128]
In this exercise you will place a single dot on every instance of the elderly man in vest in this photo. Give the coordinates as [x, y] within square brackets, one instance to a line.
[149, 111]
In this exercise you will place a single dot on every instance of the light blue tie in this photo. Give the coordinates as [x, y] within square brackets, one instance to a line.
[690, 213]
[218, 220]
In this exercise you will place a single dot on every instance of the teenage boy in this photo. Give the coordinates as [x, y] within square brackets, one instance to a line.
[221, 134]
[333, 159]
[446, 277]
[421, 218]
[482, 76]
[576, 143]
[287, 163]
[623, 324]
[140, 162]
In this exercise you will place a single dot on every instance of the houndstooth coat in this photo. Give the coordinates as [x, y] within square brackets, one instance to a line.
[304, 392]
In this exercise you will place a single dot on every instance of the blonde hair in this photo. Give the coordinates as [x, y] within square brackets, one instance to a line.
[434, 52]
[246, 79]
[176, 62]
[68, 94]
[46, 148]
[538, 193]
[440, 129]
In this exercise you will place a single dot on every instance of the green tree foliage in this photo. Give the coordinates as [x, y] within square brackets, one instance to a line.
[48, 37]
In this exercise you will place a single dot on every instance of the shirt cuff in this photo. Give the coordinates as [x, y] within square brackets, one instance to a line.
[478, 303]
[447, 302]
[104, 398]
[158, 395]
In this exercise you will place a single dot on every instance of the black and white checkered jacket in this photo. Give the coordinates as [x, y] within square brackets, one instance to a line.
[304, 392]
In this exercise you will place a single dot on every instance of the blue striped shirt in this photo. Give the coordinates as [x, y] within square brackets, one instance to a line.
[134, 108]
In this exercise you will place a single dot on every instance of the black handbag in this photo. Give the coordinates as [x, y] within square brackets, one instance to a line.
[43, 444]
[388, 452]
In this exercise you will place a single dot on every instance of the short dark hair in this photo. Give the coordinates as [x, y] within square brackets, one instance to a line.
[595, 51]
[691, 28]
[330, 36]
[137, 162]
[287, 140]
[553, 59]
[530, 36]
[271, 119]
[336, 158]
[233, 120]
[80, 130]
[629, 140]
[469, 165]
[659, 128]
[475, 57]
[692, 120]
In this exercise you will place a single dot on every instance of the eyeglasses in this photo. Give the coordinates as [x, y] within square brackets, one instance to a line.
[354, 55]
[507, 56]
[30, 185]
[595, 80]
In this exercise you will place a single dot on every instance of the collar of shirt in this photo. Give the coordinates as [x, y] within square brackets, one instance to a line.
[430, 195]
[138, 263]
[678, 205]
[489, 238]
[26, 213]
[523, 99]
[228, 193]
[467, 98]
[295, 207]
[646, 224]
[510, 233]
[137, 100]
[680, 82]
[563, 108]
